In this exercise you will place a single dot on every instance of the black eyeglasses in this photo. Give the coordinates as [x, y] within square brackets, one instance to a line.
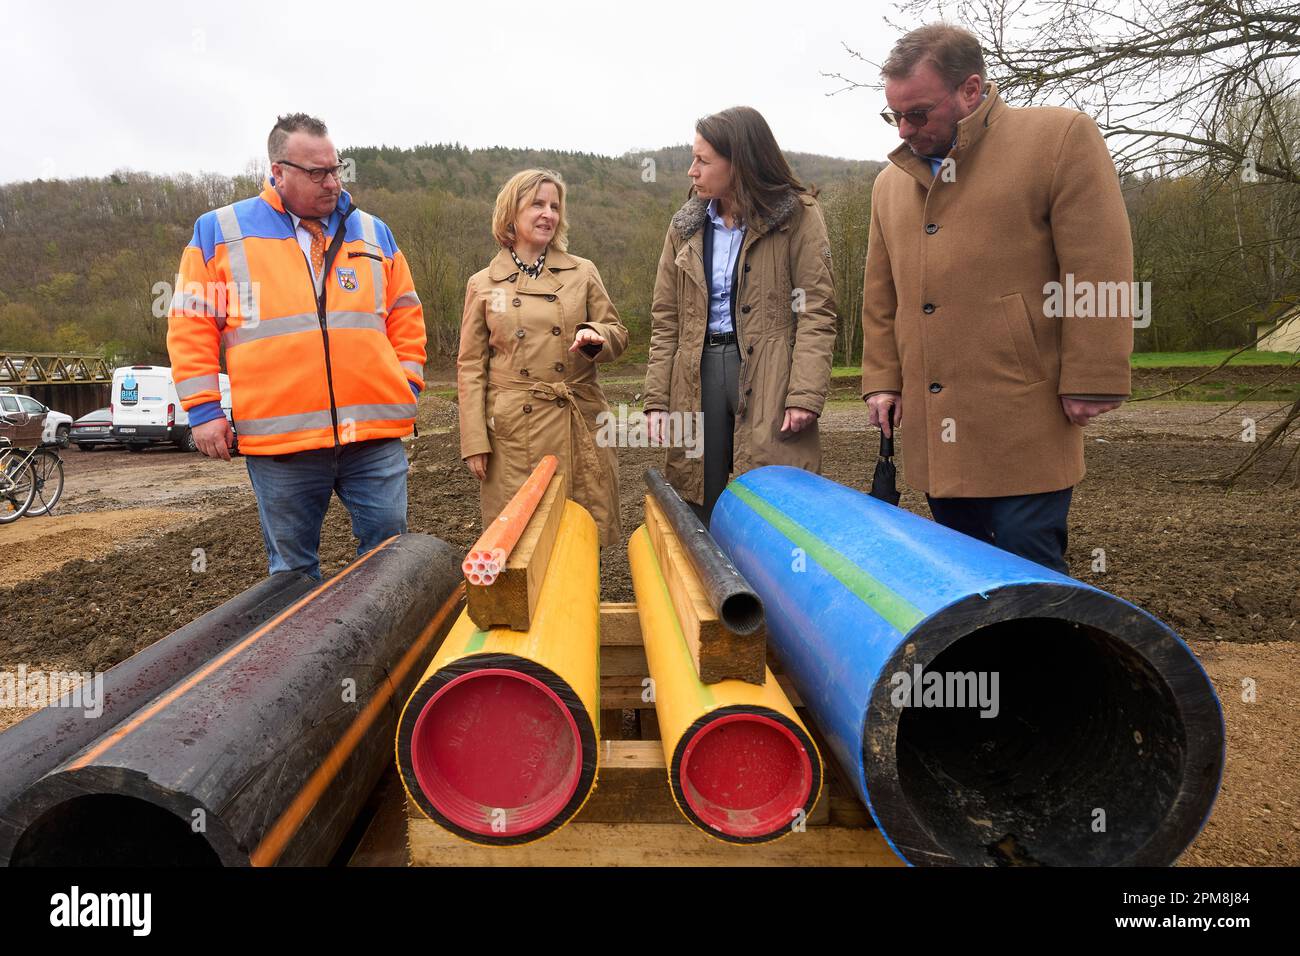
[917, 118]
[319, 173]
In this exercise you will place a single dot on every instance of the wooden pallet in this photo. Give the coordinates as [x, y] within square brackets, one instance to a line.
[631, 819]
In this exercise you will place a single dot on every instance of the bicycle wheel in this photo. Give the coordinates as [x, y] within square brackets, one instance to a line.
[17, 486]
[47, 467]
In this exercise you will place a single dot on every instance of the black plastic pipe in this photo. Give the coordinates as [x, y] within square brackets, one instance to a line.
[737, 605]
[50, 736]
[266, 753]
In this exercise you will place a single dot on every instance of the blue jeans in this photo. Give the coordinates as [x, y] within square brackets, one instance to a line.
[293, 492]
[1032, 526]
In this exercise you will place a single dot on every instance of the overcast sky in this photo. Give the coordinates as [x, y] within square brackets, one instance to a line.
[188, 87]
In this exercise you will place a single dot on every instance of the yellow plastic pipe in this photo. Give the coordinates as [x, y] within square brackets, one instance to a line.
[498, 743]
[741, 764]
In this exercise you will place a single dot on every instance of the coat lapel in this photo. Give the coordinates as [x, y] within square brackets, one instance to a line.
[690, 259]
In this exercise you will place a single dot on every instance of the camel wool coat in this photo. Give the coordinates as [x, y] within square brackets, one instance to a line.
[959, 312]
[785, 330]
[523, 395]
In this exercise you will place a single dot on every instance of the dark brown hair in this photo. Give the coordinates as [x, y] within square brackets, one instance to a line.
[291, 123]
[955, 53]
[760, 176]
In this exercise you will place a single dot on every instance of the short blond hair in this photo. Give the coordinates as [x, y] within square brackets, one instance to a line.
[521, 188]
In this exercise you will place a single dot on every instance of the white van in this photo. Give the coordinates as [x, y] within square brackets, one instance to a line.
[146, 410]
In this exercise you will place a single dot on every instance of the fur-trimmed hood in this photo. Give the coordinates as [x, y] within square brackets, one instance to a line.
[690, 218]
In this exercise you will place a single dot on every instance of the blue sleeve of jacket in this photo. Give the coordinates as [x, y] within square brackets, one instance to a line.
[207, 412]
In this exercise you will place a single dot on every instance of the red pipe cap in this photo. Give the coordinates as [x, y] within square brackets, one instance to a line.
[497, 752]
[746, 775]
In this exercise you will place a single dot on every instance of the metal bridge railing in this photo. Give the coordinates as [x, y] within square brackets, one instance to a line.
[21, 369]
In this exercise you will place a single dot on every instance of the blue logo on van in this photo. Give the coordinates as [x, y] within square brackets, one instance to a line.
[130, 390]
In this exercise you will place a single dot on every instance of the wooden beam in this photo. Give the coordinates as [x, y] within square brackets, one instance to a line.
[719, 654]
[511, 600]
[653, 844]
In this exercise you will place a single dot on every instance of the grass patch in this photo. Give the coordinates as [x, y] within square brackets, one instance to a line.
[1209, 359]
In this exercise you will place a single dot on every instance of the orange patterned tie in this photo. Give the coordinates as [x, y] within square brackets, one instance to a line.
[317, 244]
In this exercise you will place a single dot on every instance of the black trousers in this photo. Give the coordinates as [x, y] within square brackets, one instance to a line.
[1031, 526]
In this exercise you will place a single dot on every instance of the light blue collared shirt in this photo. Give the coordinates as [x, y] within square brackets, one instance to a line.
[726, 250]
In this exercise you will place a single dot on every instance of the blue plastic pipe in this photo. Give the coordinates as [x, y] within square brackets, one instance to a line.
[987, 710]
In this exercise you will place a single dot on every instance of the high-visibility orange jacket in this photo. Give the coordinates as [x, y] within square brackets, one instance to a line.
[301, 377]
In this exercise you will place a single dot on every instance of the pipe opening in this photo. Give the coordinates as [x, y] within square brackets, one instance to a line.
[111, 830]
[746, 775]
[741, 613]
[497, 752]
[1079, 762]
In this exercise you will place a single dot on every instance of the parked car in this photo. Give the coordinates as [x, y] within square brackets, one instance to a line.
[57, 425]
[58, 428]
[93, 430]
[146, 410]
[22, 420]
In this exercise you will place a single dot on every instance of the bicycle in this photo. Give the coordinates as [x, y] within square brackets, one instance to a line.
[31, 482]
[17, 484]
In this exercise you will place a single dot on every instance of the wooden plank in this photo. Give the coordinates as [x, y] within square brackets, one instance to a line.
[611, 724]
[719, 654]
[623, 661]
[511, 600]
[623, 692]
[653, 844]
[620, 624]
[649, 724]
[632, 786]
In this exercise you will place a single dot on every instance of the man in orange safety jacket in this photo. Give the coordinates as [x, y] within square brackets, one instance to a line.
[324, 344]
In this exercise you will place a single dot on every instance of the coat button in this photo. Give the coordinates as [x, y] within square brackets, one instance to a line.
[492, 353]
[550, 298]
[559, 366]
[516, 303]
[560, 402]
[749, 391]
[746, 266]
[749, 350]
[936, 387]
[555, 330]
[519, 333]
[744, 309]
[928, 308]
[931, 228]
[527, 409]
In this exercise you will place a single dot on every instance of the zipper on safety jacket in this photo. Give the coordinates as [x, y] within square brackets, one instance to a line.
[324, 331]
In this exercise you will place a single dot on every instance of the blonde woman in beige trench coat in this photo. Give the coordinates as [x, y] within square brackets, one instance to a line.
[537, 323]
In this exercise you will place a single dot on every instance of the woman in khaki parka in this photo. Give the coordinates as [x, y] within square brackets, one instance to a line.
[537, 322]
[744, 313]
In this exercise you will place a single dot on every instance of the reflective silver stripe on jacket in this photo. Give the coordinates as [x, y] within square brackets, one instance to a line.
[405, 299]
[238, 257]
[371, 236]
[371, 413]
[415, 368]
[186, 302]
[200, 383]
[267, 328]
[279, 424]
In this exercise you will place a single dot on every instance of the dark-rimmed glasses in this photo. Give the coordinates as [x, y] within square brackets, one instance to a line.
[318, 173]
